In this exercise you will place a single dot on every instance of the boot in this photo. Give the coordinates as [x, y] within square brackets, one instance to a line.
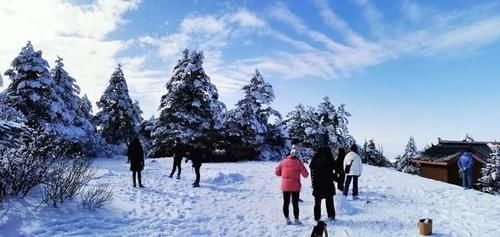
[140, 180]
[133, 178]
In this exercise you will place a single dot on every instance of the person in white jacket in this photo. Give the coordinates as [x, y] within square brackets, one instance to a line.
[353, 168]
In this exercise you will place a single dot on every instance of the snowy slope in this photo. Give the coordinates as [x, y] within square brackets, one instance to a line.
[243, 199]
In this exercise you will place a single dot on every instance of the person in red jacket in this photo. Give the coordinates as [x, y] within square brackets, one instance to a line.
[290, 170]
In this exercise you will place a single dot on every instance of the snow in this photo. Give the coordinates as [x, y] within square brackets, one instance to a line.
[243, 199]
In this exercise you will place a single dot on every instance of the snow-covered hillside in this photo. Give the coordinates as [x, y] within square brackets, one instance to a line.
[243, 199]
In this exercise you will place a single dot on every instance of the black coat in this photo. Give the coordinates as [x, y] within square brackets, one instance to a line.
[135, 155]
[339, 165]
[322, 177]
[196, 156]
[178, 150]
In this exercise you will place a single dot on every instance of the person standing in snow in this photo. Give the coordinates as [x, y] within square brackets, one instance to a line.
[297, 145]
[322, 176]
[465, 165]
[339, 169]
[290, 170]
[178, 150]
[196, 156]
[353, 168]
[135, 155]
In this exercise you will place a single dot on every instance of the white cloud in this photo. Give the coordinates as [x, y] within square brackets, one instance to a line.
[211, 34]
[473, 35]
[281, 12]
[203, 24]
[247, 19]
[446, 34]
[372, 15]
[75, 32]
[145, 85]
[336, 23]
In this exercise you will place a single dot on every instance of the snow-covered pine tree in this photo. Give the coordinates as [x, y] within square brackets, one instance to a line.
[12, 125]
[32, 92]
[405, 163]
[145, 132]
[78, 125]
[328, 125]
[85, 106]
[119, 117]
[248, 123]
[190, 108]
[373, 155]
[490, 179]
[296, 122]
[342, 131]
[275, 145]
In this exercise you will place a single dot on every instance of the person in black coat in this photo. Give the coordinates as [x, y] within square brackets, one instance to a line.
[339, 169]
[322, 167]
[178, 150]
[196, 156]
[135, 155]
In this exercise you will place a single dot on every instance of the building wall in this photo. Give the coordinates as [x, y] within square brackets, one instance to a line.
[453, 175]
[434, 172]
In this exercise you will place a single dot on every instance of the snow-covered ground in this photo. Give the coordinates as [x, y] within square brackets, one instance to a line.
[243, 199]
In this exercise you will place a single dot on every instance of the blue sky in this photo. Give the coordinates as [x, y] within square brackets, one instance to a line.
[405, 68]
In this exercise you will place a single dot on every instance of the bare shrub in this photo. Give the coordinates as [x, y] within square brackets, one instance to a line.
[96, 197]
[66, 179]
[24, 167]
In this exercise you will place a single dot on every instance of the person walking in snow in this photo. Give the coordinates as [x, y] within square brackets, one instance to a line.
[339, 169]
[353, 169]
[322, 176]
[465, 165]
[290, 170]
[135, 155]
[178, 150]
[196, 156]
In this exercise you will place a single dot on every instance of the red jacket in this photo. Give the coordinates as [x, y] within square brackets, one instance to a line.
[290, 170]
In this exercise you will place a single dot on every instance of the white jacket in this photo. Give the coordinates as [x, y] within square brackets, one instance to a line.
[357, 165]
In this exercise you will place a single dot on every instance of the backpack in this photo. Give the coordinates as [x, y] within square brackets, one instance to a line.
[319, 230]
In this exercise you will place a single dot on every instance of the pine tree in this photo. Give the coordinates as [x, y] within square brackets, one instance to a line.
[249, 121]
[190, 108]
[119, 118]
[31, 91]
[490, 179]
[76, 111]
[405, 163]
[145, 132]
[85, 106]
[373, 155]
[296, 123]
[12, 125]
[327, 125]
